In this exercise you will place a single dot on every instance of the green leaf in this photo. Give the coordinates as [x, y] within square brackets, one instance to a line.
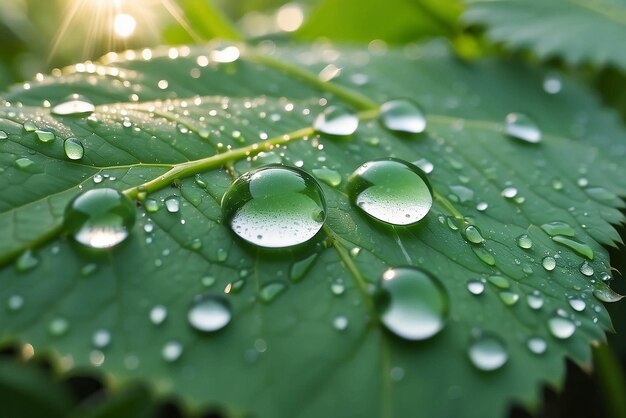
[200, 20]
[286, 357]
[578, 31]
[351, 20]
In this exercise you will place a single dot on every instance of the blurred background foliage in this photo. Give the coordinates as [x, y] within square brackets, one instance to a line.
[39, 35]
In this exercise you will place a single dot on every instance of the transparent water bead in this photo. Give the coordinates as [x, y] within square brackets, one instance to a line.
[403, 115]
[158, 314]
[44, 135]
[74, 105]
[558, 228]
[4, 135]
[100, 218]
[522, 127]
[412, 303]
[560, 327]
[328, 176]
[578, 247]
[473, 235]
[537, 345]
[391, 190]
[548, 263]
[487, 352]
[336, 121]
[524, 241]
[535, 300]
[101, 338]
[73, 148]
[209, 313]
[275, 206]
[172, 203]
[577, 304]
[586, 269]
[172, 350]
[475, 287]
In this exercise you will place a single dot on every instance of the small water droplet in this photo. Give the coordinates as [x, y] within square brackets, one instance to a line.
[275, 206]
[534, 300]
[73, 148]
[340, 322]
[424, 165]
[521, 126]
[26, 261]
[452, 223]
[101, 338]
[473, 235]
[75, 105]
[524, 241]
[537, 345]
[209, 313]
[548, 263]
[24, 163]
[172, 203]
[151, 205]
[29, 126]
[100, 218]
[336, 121]
[499, 281]
[196, 244]
[475, 287]
[509, 298]
[403, 115]
[299, 268]
[561, 327]
[509, 192]
[578, 247]
[270, 291]
[484, 255]
[337, 287]
[158, 314]
[58, 327]
[44, 135]
[558, 228]
[577, 304]
[3, 135]
[172, 350]
[482, 206]
[328, 176]
[207, 281]
[586, 269]
[412, 304]
[487, 353]
[391, 190]
[222, 254]
[552, 83]
[15, 302]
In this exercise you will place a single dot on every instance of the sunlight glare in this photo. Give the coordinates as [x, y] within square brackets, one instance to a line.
[124, 25]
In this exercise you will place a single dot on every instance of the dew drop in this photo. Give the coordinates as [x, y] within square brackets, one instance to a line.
[151, 205]
[403, 115]
[488, 353]
[411, 303]
[172, 204]
[44, 135]
[484, 255]
[275, 206]
[158, 314]
[328, 176]
[299, 269]
[337, 287]
[482, 206]
[74, 105]
[499, 281]
[270, 291]
[3, 135]
[29, 126]
[548, 263]
[509, 192]
[578, 247]
[534, 300]
[172, 350]
[340, 323]
[209, 313]
[578, 305]
[15, 302]
[24, 163]
[101, 338]
[537, 345]
[475, 287]
[98, 178]
[391, 190]
[473, 235]
[336, 121]
[560, 327]
[100, 218]
[26, 261]
[524, 241]
[558, 228]
[552, 83]
[586, 269]
[58, 327]
[522, 127]
[509, 298]
[606, 294]
[73, 148]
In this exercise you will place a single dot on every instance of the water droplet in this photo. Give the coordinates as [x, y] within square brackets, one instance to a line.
[537, 345]
[534, 300]
[196, 244]
[488, 353]
[403, 116]
[23, 162]
[578, 247]
[301, 267]
[601, 194]
[606, 294]
[452, 223]
[222, 254]
[509, 298]
[29, 126]
[509, 192]
[482, 206]
[26, 261]
[270, 291]
[412, 304]
[463, 193]
[100, 218]
[3, 135]
[552, 83]
[209, 313]
[548, 263]
[521, 126]
[340, 323]
[172, 203]
[524, 241]
[578, 305]
[151, 205]
[484, 255]
[75, 105]
[337, 287]
[158, 314]
[225, 55]
[328, 176]
[73, 148]
[98, 178]
[424, 165]
[475, 287]
[172, 350]
[499, 281]
[44, 135]
[560, 327]
[473, 235]
[235, 287]
[558, 228]
[391, 190]
[336, 121]
[101, 338]
[58, 327]
[15, 302]
[207, 281]
[275, 206]
[586, 269]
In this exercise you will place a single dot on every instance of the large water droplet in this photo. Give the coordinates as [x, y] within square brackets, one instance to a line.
[524, 241]
[558, 228]
[391, 190]
[209, 313]
[561, 327]
[73, 148]
[75, 105]
[172, 203]
[499, 281]
[100, 218]
[521, 126]
[403, 116]
[586, 269]
[275, 206]
[488, 353]
[535, 300]
[336, 121]
[412, 304]
[473, 235]
[548, 263]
